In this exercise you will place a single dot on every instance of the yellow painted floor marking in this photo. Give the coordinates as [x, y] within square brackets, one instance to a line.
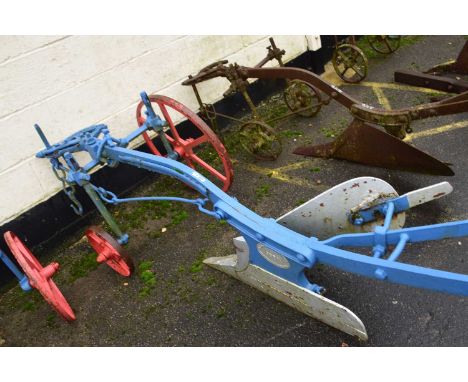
[437, 130]
[333, 79]
[386, 85]
[330, 76]
[295, 165]
[280, 173]
[383, 100]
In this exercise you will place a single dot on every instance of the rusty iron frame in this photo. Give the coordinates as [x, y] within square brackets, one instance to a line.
[234, 74]
[431, 81]
[396, 122]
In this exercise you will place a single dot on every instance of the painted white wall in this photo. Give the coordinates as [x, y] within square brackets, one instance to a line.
[66, 83]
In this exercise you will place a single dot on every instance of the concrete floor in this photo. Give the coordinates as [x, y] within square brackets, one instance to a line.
[193, 305]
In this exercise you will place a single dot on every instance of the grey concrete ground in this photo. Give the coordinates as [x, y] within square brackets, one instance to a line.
[184, 303]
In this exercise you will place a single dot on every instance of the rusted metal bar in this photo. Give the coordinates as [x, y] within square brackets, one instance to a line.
[446, 84]
[273, 53]
[303, 75]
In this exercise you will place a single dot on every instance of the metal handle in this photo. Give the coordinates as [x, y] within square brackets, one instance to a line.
[42, 136]
[146, 101]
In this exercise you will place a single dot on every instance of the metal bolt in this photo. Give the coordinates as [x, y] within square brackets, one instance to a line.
[301, 257]
[359, 221]
[380, 274]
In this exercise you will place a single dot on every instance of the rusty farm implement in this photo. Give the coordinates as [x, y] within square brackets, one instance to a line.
[362, 142]
[255, 134]
[272, 255]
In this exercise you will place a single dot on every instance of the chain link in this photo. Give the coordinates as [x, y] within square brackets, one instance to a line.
[68, 189]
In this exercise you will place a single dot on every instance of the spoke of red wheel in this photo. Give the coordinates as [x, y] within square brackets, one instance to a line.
[197, 141]
[170, 139]
[208, 168]
[168, 119]
[189, 162]
[150, 144]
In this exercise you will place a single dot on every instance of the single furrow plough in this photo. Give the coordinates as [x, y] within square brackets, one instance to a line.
[271, 255]
[362, 142]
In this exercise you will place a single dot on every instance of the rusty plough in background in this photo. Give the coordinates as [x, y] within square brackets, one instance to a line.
[362, 141]
[256, 136]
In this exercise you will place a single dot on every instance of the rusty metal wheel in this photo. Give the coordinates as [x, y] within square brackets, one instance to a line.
[350, 63]
[109, 251]
[384, 44]
[302, 98]
[260, 140]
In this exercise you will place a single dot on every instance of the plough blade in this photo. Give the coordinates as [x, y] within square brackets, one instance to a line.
[366, 144]
[327, 214]
[304, 300]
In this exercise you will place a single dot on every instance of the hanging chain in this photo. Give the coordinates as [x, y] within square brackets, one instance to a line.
[68, 189]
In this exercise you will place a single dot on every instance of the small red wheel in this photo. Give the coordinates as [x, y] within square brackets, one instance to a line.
[221, 173]
[109, 251]
[39, 278]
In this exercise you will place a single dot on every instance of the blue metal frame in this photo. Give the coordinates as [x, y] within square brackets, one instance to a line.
[300, 251]
[22, 278]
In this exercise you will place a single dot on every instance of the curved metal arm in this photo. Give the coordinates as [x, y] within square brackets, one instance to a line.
[451, 105]
[111, 198]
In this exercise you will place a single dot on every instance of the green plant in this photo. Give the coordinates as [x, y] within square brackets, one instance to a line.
[262, 191]
[82, 266]
[290, 133]
[197, 265]
[147, 277]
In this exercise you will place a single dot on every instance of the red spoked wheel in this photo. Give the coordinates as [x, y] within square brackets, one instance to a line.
[109, 251]
[39, 277]
[220, 167]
